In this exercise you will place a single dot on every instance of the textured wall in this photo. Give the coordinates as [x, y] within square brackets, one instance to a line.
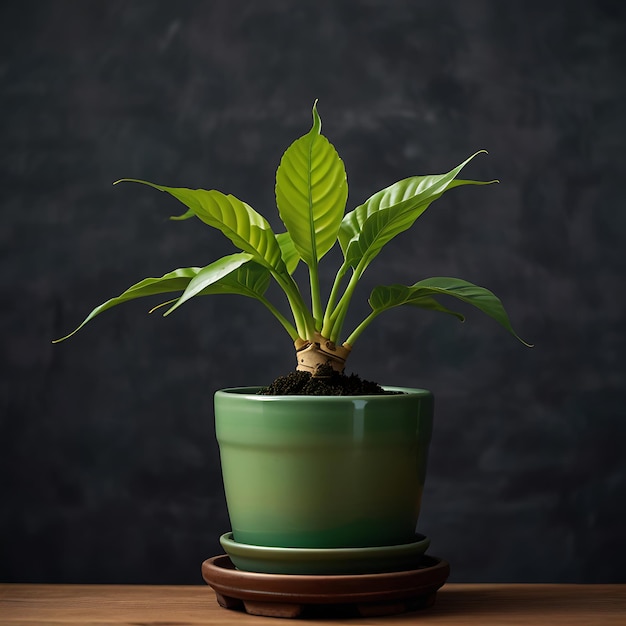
[109, 470]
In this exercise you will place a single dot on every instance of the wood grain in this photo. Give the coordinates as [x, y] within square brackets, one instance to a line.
[124, 605]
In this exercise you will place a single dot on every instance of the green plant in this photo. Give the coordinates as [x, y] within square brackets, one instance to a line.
[311, 194]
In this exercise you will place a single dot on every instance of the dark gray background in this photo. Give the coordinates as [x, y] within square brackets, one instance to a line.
[109, 471]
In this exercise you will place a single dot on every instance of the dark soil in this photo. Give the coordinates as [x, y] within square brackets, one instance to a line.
[323, 383]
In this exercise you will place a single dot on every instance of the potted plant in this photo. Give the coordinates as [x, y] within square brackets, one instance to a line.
[318, 483]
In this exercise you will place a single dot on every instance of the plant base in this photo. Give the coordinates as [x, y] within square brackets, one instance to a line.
[326, 382]
[283, 595]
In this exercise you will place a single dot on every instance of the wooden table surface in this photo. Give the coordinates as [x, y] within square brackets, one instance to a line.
[114, 605]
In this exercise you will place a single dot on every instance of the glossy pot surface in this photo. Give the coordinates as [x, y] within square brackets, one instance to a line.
[322, 471]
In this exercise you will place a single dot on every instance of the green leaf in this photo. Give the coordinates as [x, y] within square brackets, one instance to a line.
[251, 280]
[211, 274]
[311, 193]
[246, 228]
[178, 280]
[289, 252]
[387, 297]
[391, 211]
[479, 297]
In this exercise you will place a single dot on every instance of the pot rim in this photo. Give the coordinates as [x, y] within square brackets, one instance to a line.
[250, 393]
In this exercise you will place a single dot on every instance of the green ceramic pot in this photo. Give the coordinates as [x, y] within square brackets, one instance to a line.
[323, 472]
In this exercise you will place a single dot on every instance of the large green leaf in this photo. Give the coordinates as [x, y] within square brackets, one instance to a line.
[178, 280]
[311, 193]
[246, 228]
[211, 274]
[423, 292]
[393, 210]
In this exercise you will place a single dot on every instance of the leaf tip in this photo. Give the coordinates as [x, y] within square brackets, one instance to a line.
[158, 306]
[174, 306]
[61, 339]
[317, 121]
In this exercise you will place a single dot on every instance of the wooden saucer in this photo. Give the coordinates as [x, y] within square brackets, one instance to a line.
[289, 595]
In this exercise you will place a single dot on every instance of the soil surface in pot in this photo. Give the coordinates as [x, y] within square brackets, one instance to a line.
[325, 382]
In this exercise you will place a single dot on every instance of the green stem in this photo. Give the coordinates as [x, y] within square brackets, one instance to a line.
[339, 315]
[361, 327]
[332, 298]
[305, 325]
[290, 328]
[316, 303]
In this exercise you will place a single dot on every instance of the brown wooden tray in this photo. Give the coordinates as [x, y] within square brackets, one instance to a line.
[288, 595]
